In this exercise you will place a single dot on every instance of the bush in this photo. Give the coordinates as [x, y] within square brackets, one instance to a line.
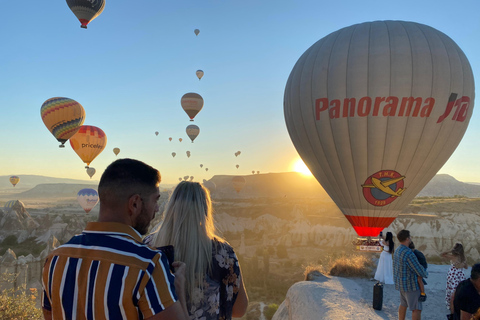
[270, 310]
[11, 240]
[353, 266]
[18, 303]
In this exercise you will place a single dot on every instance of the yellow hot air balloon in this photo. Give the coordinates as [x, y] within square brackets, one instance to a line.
[238, 183]
[199, 74]
[91, 171]
[62, 117]
[116, 151]
[192, 103]
[88, 143]
[193, 131]
[196, 31]
[14, 180]
[375, 110]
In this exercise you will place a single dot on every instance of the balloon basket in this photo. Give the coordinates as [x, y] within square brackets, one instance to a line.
[367, 244]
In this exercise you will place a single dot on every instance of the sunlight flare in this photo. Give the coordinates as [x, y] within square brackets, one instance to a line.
[301, 167]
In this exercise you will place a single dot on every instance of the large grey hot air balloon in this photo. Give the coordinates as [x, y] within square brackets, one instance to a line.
[192, 131]
[86, 10]
[192, 103]
[375, 110]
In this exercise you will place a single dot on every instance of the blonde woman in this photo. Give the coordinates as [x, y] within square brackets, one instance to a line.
[214, 286]
[455, 274]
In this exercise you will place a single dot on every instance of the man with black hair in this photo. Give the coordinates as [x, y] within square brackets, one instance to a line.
[466, 301]
[406, 270]
[107, 272]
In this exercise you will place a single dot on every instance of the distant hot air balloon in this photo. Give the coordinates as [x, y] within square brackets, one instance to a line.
[239, 152]
[180, 179]
[206, 169]
[86, 10]
[238, 183]
[91, 171]
[199, 74]
[192, 103]
[191, 178]
[253, 172]
[201, 165]
[88, 198]
[180, 139]
[375, 110]
[116, 151]
[188, 154]
[185, 178]
[14, 180]
[62, 117]
[170, 139]
[88, 143]
[258, 172]
[174, 154]
[237, 166]
[156, 133]
[196, 31]
[193, 131]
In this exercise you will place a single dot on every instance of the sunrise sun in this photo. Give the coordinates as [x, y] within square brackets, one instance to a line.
[300, 166]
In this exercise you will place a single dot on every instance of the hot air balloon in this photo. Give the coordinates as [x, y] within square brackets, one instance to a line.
[14, 180]
[253, 172]
[88, 198]
[196, 31]
[156, 133]
[173, 154]
[88, 143]
[199, 74]
[258, 172]
[192, 131]
[180, 139]
[201, 165]
[91, 171]
[375, 110]
[238, 183]
[86, 10]
[116, 151]
[237, 166]
[170, 139]
[62, 117]
[192, 103]
[185, 178]
[180, 179]
[188, 154]
[206, 169]
[191, 178]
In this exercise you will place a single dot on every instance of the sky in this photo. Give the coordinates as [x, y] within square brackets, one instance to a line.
[133, 64]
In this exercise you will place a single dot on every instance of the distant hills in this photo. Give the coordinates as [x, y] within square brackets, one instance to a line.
[285, 184]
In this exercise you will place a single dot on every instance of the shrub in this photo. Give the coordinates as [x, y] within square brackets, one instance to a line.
[18, 303]
[353, 266]
[10, 240]
[270, 310]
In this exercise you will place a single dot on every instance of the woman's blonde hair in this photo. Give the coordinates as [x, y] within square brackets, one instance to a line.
[188, 226]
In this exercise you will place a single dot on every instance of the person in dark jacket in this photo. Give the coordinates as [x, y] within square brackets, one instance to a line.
[423, 261]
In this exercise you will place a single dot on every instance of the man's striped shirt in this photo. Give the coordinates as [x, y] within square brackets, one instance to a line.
[106, 273]
[406, 269]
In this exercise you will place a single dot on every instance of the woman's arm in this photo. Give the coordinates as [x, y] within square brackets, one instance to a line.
[241, 303]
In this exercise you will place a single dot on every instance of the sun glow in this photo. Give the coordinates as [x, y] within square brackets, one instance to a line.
[301, 167]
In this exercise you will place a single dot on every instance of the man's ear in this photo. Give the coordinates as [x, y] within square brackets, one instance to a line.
[135, 205]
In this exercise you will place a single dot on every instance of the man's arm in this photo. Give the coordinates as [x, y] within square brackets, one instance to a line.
[464, 315]
[47, 314]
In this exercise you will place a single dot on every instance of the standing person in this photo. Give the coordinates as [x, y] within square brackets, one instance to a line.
[214, 285]
[384, 271]
[423, 261]
[107, 272]
[406, 269]
[466, 301]
[456, 273]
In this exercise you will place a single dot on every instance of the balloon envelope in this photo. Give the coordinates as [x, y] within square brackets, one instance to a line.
[238, 183]
[174, 154]
[375, 110]
[14, 180]
[193, 131]
[91, 171]
[88, 199]
[62, 117]
[156, 133]
[199, 74]
[88, 143]
[196, 31]
[116, 151]
[192, 103]
[86, 10]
